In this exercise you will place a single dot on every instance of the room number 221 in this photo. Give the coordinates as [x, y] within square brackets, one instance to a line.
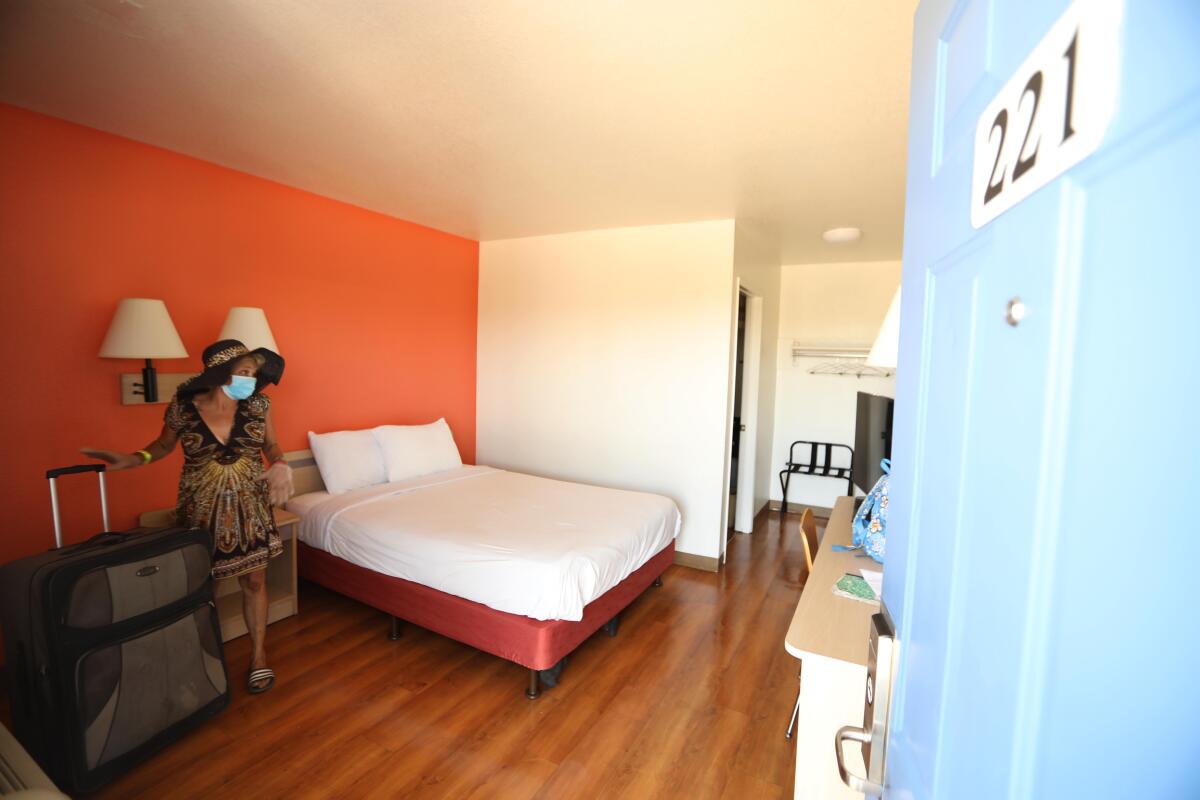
[1026, 159]
[1051, 113]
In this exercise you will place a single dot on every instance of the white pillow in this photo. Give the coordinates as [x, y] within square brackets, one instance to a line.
[410, 451]
[347, 459]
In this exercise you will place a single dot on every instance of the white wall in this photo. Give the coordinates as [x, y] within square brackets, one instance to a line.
[825, 305]
[756, 266]
[604, 358]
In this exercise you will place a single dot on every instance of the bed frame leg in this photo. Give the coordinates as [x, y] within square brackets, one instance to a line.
[611, 626]
[658, 581]
[396, 630]
[544, 677]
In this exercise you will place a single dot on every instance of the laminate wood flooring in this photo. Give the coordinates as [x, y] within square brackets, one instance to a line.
[690, 700]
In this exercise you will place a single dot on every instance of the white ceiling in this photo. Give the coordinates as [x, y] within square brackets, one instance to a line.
[506, 118]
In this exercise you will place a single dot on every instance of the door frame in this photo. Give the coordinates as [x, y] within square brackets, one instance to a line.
[743, 511]
[747, 445]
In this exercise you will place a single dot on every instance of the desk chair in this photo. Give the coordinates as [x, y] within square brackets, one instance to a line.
[808, 539]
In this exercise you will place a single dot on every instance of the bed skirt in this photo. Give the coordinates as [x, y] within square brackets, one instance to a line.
[536, 644]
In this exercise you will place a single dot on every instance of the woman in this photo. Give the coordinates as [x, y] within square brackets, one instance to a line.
[225, 426]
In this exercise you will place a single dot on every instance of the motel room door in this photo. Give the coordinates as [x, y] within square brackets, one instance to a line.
[1041, 566]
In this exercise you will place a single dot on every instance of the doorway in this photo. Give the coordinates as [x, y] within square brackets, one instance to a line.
[739, 360]
[743, 416]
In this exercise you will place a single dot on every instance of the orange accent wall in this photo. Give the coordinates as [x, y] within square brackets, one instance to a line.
[375, 316]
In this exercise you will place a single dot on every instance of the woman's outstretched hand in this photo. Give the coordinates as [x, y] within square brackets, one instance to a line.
[115, 461]
[279, 482]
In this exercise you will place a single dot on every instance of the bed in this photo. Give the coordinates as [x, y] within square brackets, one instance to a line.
[522, 567]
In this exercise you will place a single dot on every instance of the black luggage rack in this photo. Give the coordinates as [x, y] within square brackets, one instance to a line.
[821, 466]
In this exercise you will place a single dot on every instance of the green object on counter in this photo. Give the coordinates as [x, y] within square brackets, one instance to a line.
[854, 587]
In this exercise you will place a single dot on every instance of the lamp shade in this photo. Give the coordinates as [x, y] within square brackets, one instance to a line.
[142, 328]
[886, 350]
[249, 326]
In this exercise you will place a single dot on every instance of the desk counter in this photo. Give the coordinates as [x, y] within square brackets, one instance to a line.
[826, 625]
[829, 635]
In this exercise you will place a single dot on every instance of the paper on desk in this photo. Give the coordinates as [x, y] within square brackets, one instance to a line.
[874, 579]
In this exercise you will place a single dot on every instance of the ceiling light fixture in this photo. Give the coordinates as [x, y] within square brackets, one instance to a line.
[842, 235]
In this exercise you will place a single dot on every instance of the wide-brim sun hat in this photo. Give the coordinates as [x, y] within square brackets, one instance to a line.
[219, 358]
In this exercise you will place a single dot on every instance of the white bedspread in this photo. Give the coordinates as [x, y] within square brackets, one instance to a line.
[532, 546]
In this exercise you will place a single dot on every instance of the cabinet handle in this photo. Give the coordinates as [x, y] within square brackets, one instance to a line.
[849, 778]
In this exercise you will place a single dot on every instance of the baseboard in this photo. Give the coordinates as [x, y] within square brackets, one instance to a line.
[758, 518]
[798, 508]
[706, 563]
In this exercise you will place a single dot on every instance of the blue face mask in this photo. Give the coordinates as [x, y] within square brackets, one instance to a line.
[241, 387]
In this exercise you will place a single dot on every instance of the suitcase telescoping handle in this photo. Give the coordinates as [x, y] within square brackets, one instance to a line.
[52, 476]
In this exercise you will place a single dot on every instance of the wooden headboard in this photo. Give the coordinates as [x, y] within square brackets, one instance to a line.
[305, 475]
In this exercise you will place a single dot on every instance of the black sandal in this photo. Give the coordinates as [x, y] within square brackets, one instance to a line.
[257, 676]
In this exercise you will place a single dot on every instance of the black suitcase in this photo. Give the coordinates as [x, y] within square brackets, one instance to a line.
[113, 647]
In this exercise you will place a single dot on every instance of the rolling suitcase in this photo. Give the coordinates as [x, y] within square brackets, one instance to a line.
[113, 646]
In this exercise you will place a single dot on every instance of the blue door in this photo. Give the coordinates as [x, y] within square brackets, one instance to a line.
[1042, 566]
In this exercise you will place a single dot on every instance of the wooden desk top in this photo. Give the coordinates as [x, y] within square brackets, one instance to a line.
[826, 625]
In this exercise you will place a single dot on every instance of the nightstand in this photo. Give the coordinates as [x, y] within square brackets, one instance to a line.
[282, 599]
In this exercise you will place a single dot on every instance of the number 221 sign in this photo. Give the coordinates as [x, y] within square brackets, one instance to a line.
[1052, 113]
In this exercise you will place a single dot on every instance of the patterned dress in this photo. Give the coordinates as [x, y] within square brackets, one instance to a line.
[221, 488]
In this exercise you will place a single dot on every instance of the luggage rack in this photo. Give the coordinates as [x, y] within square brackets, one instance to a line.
[821, 466]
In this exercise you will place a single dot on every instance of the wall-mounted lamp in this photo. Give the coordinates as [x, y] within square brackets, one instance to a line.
[143, 329]
[249, 326]
[886, 350]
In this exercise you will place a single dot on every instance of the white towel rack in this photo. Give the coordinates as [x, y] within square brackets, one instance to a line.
[854, 367]
[842, 361]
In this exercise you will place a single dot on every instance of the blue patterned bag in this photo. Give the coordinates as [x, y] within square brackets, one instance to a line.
[870, 523]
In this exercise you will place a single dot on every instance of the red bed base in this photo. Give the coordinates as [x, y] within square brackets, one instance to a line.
[536, 644]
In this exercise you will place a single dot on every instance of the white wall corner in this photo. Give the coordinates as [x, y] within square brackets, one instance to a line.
[825, 305]
[757, 269]
[603, 357]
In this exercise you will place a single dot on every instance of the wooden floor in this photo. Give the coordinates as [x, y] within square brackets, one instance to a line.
[689, 700]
